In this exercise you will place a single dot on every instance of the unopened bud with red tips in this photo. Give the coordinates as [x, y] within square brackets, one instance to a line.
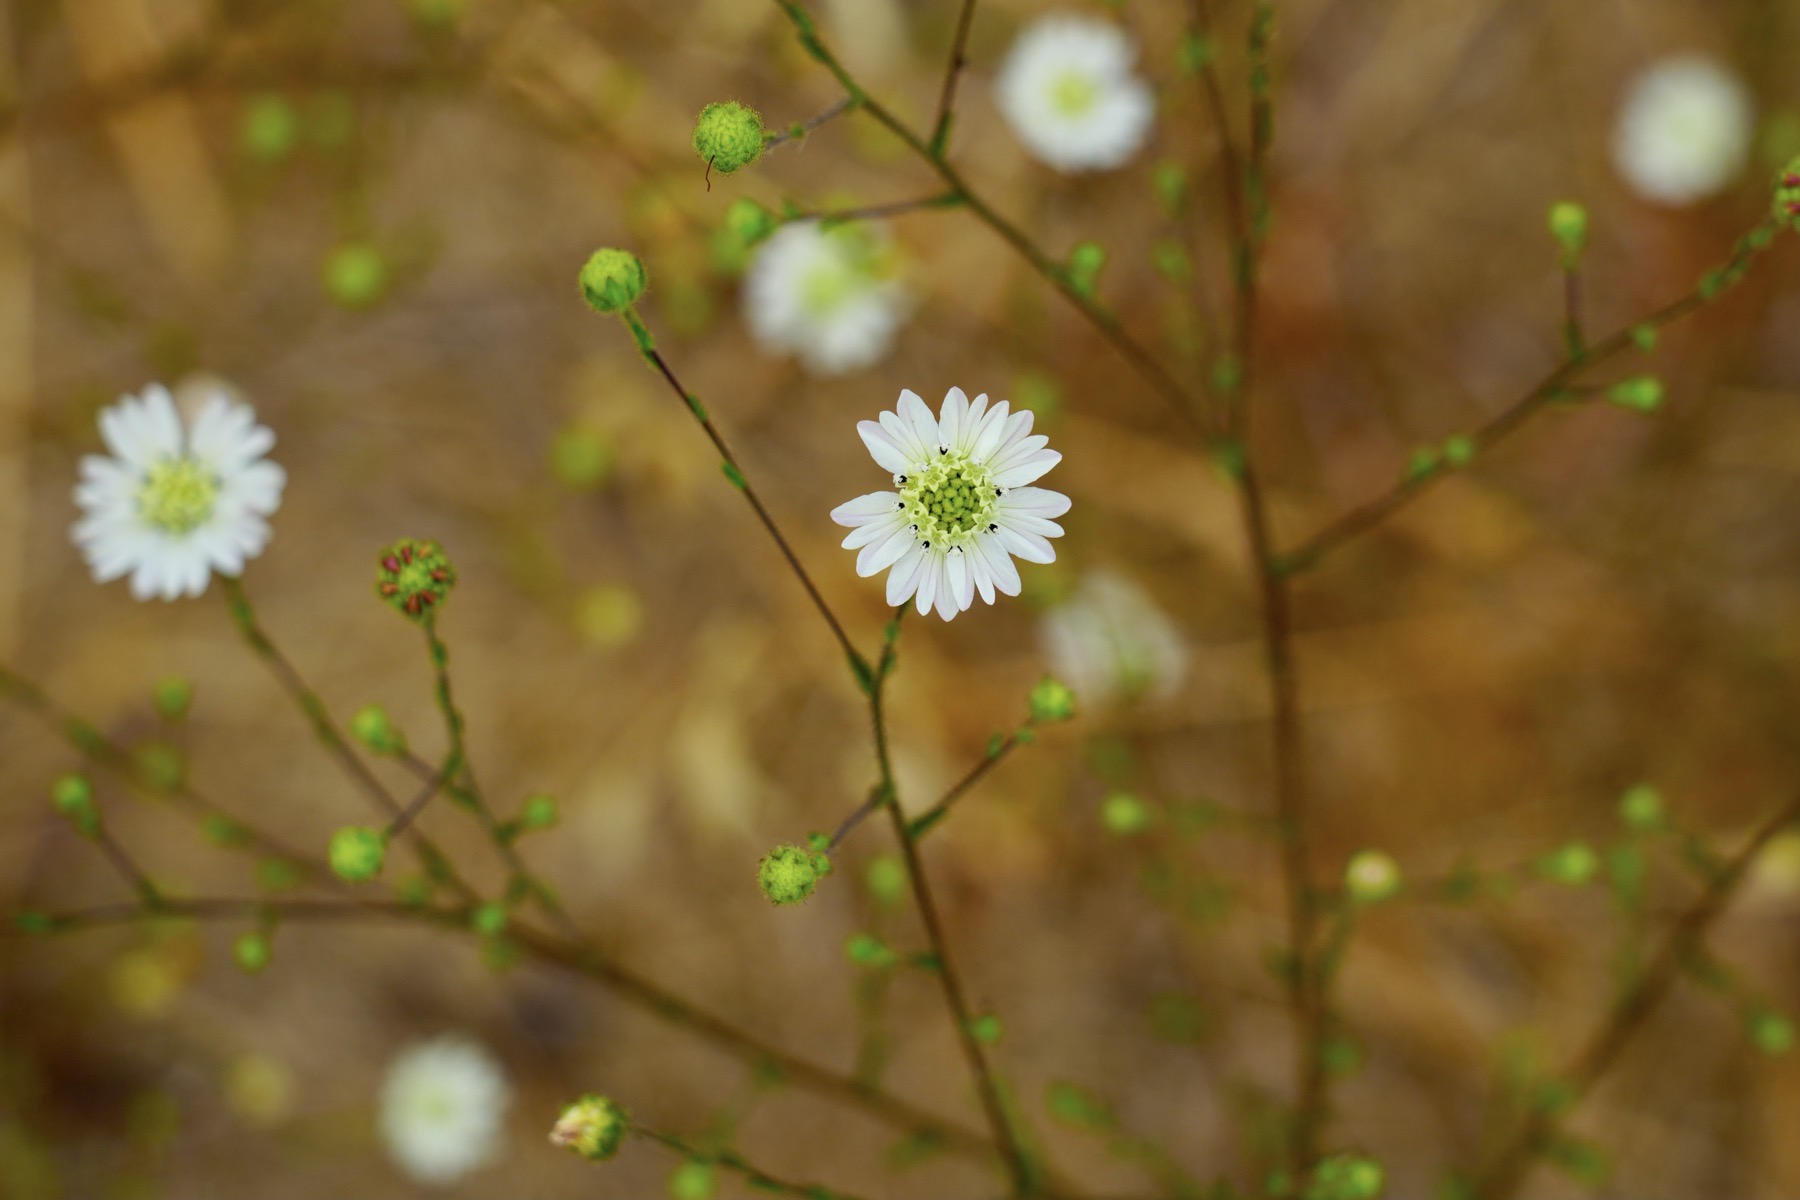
[415, 577]
[592, 1127]
[1787, 195]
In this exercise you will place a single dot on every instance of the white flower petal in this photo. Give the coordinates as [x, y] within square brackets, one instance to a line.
[962, 578]
[1027, 469]
[979, 572]
[970, 424]
[951, 414]
[903, 435]
[1027, 523]
[914, 412]
[1035, 501]
[882, 448]
[988, 435]
[1026, 545]
[868, 507]
[879, 555]
[992, 548]
[903, 580]
[930, 579]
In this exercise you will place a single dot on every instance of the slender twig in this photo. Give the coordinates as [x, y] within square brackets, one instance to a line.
[1509, 1166]
[1371, 513]
[128, 869]
[940, 200]
[858, 815]
[928, 820]
[1574, 340]
[411, 812]
[940, 128]
[806, 127]
[755, 1178]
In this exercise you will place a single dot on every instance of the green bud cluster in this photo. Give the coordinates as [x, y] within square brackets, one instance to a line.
[357, 852]
[268, 129]
[173, 696]
[1347, 1177]
[729, 136]
[593, 1127]
[1568, 224]
[1573, 865]
[1123, 814]
[612, 280]
[1085, 263]
[1772, 1033]
[375, 729]
[73, 797]
[789, 874]
[694, 1180]
[1051, 700]
[1644, 393]
[1641, 808]
[252, 951]
[415, 576]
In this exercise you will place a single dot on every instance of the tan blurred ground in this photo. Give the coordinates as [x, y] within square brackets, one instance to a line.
[1609, 599]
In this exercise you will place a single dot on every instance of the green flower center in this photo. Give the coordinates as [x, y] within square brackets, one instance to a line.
[1072, 94]
[950, 501]
[178, 495]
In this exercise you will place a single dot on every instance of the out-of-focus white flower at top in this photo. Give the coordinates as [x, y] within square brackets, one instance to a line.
[1068, 91]
[442, 1109]
[832, 297]
[1684, 132]
[1110, 641]
[177, 500]
[962, 510]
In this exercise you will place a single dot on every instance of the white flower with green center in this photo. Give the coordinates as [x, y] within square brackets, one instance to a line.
[1684, 132]
[443, 1108]
[831, 297]
[1069, 93]
[176, 502]
[962, 509]
[1111, 642]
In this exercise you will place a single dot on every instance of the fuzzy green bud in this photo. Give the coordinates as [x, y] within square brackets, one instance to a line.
[1568, 224]
[593, 1127]
[375, 729]
[1787, 195]
[1371, 877]
[729, 136]
[1347, 1177]
[1459, 449]
[540, 811]
[415, 576]
[694, 1180]
[73, 797]
[357, 852]
[355, 275]
[1772, 1033]
[985, 1029]
[1641, 808]
[1573, 865]
[1644, 393]
[788, 874]
[1051, 700]
[613, 280]
[749, 221]
[172, 696]
[1123, 814]
[489, 918]
[1085, 263]
[252, 951]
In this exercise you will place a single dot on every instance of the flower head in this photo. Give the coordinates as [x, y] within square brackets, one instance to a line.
[176, 501]
[963, 509]
[831, 297]
[788, 874]
[592, 1127]
[729, 136]
[441, 1109]
[415, 576]
[612, 280]
[1068, 91]
[1112, 642]
[1684, 132]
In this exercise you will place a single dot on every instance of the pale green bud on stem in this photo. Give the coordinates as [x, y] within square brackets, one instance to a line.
[1568, 223]
[73, 797]
[415, 576]
[1641, 808]
[789, 874]
[375, 729]
[612, 280]
[357, 852]
[593, 1127]
[1051, 700]
[173, 696]
[1347, 1177]
[729, 136]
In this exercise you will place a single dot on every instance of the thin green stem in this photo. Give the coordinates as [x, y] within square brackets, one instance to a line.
[940, 129]
[937, 200]
[755, 1177]
[806, 127]
[124, 864]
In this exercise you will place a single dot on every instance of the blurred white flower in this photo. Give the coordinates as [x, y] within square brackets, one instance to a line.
[1068, 91]
[832, 297]
[176, 501]
[1110, 641]
[442, 1108]
[1684, 131]
[962, 511]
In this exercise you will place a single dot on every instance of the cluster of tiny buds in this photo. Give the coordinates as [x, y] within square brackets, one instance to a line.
[592, 1127]
[414, 577]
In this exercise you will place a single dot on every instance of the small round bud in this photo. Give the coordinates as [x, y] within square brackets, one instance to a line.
[749, 221]
[489, 918]
[1347, 1177]
[355, 275]
[540, 811]
[1051, 700]
[694, 1180]
[1124, 814]
[1643, 393]
[886, 878]
[1574, 864]
[729, 136]
[357, 852]
[1459, 449]
[414, 576]
[1787, 195]
[788, 874]
[1371, 876]
[867, 950]
[73, 797]
[592, 1127]
[373, 728]
[268, 129]
[1568, 224]
[1085, 263]
[613, 280]
[986, 1029]
[1641, 808]
[1772, 1033]
[173, 696]
[252, 951]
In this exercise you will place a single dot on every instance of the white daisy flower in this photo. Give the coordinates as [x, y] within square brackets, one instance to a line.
[176, 501]
[1684, 132]
[1069, 93]
[442, 1108]
[963, 510]
[832, 297]
[1110, 641]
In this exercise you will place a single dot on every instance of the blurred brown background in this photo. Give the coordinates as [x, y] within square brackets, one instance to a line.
[1608, 599]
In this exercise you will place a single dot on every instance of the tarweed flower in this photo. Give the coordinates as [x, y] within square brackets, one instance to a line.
[592, 1127]
[1111, 641]
[177, 500]
[963, 509]
[442, 1107]
[1684, 131]
[729, 136]
[788, 874]
[1069, 93]
[831, 297]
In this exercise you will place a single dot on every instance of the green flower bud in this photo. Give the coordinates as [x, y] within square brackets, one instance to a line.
[172, 696]
[1124, 814]
[593, 1127]
[867, 950]
[1085, 263]
[694, 1180]
[489, 918]
[355, 275]
[1574, 864]
[613, 280]
[414, 576]
[540, 811]
[1787, 195]
[373, 728]
[985, 1029]
[1641, 808]
[749, 221]
[252, 951]
[729, 136]
[1371, 877]
[1643, 393]
[1459, 449]
[1772, 1033]
[73, 797]
[1568, 224]
[788, 874]
[357, 852]
[1347, 1177]
[886, 878]
[268, 129]
[1051, 700]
